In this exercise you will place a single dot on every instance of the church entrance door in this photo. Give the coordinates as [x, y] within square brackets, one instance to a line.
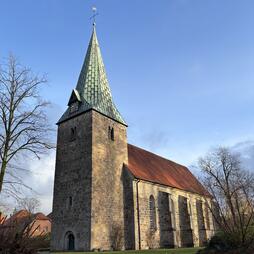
[70, 241]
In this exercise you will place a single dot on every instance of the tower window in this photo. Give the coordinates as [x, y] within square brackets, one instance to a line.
[111, 133]
[70, 202]
[152, 211]
[73, 133]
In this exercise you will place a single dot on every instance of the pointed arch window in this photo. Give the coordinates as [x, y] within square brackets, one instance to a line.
[152, 214]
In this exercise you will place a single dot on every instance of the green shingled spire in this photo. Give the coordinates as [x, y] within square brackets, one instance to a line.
[92, 90]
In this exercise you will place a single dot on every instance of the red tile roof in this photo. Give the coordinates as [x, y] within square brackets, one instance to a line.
[150, 167]
[41, 216]
[18, 217]
[23, 216]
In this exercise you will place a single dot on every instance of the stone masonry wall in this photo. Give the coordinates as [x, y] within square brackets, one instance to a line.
[165, 220]
[72, 188]
[128, 196]
[201, 223]
[186, 234]
[108, 156]
[175, 232]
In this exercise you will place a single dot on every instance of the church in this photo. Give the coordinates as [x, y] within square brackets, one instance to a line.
[112, 195]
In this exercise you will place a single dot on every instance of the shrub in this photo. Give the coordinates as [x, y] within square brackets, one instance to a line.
[224, 243]
[18, 239]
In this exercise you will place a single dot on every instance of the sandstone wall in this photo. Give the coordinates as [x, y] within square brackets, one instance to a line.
[177, 218]
[108, 157]
[129, 219]
[73, 180]
[88, 191]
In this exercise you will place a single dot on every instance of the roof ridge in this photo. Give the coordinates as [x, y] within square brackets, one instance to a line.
[155, 154]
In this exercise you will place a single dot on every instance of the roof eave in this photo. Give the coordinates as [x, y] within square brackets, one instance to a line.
[85, 111]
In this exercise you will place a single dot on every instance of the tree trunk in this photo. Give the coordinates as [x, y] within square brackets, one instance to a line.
[3, 168]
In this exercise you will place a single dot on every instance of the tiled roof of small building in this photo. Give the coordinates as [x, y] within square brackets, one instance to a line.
[150, 167]
[92, 90]
[18, 216]
[41, 216]
[23, 216]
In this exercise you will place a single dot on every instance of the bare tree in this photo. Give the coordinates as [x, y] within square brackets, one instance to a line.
[24, 127]
[5, 207]
[20, 237]
[233, 192]
[29, 204]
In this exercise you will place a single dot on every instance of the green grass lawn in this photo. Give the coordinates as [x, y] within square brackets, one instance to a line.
[160, 251]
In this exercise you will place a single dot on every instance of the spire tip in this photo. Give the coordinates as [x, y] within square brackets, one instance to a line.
[95, 13]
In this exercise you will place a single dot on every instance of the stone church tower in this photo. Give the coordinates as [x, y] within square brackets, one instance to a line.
[106, 190]
[91, 150]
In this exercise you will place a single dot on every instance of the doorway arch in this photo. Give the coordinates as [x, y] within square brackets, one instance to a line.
[69, 241]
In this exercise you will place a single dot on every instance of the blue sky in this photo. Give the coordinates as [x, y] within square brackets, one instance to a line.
[181, 71]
